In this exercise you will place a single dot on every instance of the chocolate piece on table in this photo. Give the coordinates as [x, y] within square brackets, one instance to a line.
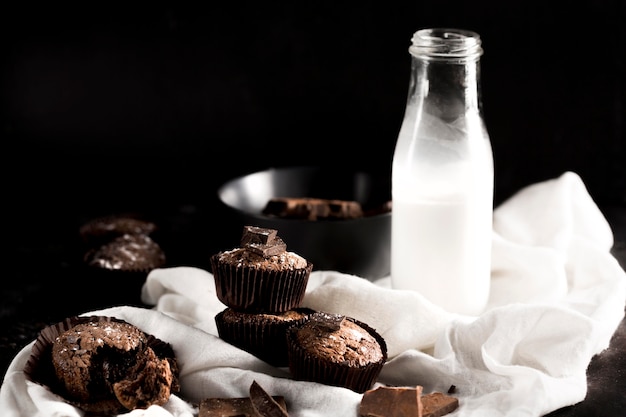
[232, 407]
[265, 251]
[262, 241]
[264, 404]
[391, 402]
[437, 404]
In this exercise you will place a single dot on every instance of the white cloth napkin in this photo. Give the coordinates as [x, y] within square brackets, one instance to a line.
[557, 296]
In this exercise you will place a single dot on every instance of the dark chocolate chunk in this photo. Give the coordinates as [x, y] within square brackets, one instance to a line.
[259, 404]
[264, 404]
[232, 407]
[258, 235]
[437, 404]
[327, 321]
[262, 241]
[275, 248]
[391, 402]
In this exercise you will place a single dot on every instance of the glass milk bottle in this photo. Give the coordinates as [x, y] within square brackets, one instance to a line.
[442, 176]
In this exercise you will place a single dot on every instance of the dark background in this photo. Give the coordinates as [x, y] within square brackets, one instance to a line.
[109, 108]
[161, 104]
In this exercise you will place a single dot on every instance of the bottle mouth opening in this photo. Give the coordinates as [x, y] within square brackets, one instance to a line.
[446, 43]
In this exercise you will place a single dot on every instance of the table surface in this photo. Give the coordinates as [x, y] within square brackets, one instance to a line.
[45, 286]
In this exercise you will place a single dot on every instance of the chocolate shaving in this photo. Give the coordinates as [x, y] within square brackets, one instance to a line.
[262, 241]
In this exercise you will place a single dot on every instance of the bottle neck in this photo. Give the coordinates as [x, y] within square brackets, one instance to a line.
[446, 44]
[445, 72]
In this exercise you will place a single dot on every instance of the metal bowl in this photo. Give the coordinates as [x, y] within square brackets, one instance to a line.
[358, 246]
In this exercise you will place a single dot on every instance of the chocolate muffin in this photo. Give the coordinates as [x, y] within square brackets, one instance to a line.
[262, 334]
[260, 276]
[336, 350]
[121, 267]
[104, 365]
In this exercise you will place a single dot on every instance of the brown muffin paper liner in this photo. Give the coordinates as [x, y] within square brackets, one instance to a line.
[259, 291]
[39, 368]
[306, 367]
[260, 335]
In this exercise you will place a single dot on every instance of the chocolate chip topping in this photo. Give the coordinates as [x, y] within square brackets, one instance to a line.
[327, 321]
[262, 241]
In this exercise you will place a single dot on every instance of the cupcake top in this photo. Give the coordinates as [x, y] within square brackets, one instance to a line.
[261, 248]
[338, 339]
[136, 252]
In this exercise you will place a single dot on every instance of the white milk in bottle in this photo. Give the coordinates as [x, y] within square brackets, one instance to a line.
[442, 177]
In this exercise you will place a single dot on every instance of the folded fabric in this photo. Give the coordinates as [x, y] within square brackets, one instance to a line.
[557, 296]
